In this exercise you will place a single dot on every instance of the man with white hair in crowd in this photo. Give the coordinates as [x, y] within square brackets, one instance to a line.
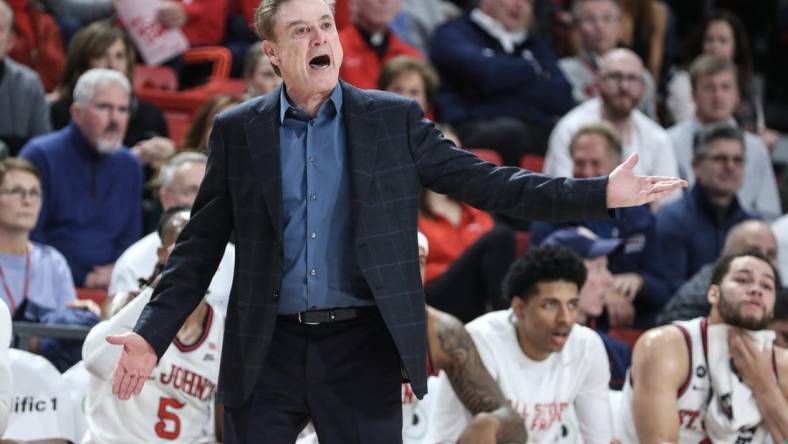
[92, 185]
[620, 87]
[179, 180]
[598, 25]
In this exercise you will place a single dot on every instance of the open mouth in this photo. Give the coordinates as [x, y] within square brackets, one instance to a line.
[320, 62]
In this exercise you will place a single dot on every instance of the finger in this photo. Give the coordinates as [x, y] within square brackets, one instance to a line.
[120, 373]
[139, 385]
[123, 389]
[116, 340]
[631, 161]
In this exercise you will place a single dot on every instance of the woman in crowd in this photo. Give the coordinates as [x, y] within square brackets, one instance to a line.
[196, 137]
[259, 73]
[644, 25]
[722, 34]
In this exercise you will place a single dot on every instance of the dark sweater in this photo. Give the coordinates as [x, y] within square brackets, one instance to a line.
[92, 206]
[480, 80]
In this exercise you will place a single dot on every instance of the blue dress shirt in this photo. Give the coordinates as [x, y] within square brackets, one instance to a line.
[320, 266]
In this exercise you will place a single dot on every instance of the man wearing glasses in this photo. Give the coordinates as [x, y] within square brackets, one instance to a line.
[620, 86]
[691, 231]
[91, 211]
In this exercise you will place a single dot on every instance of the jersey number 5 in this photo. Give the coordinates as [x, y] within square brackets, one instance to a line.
[167, 417]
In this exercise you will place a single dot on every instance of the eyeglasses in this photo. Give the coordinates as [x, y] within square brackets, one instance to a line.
[619, 78]
[721, 159]
[21, 193]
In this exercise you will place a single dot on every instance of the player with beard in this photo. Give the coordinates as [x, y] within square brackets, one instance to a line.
[620, 86]
[554, 372]
[684, 388]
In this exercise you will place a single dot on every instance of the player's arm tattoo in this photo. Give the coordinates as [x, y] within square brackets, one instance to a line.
[471, 381]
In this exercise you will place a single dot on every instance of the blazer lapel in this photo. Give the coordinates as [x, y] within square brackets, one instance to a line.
[362, 135]
[262, 136]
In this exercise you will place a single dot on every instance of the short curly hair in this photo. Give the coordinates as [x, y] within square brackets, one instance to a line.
[543, 264]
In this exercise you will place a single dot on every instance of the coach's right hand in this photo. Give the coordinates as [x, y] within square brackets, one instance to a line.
[135, 365]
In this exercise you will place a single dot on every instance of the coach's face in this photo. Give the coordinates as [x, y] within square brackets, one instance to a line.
[545, 319]
[306, 47]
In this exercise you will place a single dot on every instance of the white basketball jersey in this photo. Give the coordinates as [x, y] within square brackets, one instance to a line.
[562, 399]
[693, 395]
[177, 401]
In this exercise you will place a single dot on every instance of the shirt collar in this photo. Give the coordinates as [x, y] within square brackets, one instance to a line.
[507, 39]
[332, 106]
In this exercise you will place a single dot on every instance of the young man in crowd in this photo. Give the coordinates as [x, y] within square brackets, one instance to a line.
[554, 373]
[714, 379]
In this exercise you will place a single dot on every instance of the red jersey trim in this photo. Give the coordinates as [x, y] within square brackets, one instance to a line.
[206, 329]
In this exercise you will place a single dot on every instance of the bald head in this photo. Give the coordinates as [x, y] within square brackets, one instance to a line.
[751, 235]
[620, 83]
[621, 57]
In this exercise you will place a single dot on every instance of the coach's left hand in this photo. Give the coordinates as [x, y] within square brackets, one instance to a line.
[135, 365]
[625, 189]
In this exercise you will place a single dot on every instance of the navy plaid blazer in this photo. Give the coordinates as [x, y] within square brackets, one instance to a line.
[392, 152]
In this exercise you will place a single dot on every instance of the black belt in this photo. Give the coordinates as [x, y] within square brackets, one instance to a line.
[319, 317]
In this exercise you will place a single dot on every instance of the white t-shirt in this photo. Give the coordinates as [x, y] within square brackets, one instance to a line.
[177, 401]
[647, 138]
[140, 258]
[563, 398]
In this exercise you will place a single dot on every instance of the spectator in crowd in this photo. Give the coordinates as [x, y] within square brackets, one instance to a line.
[37, 41]
[35, 277]
[501, 85]
[552, 371]
[717, 378]
[369, 42]
[202, 21]
[259, 73]
[715, 90]
[23, 107]
[179, 180]
[72, 15]
[620, 89]
[722, 34]
[178, 403]
[92, 205]
[780, 229]
[105, 45]
[411, 77]
[596, 150]
[594, 251]
[690, 299]
[196, 137]
[644, 25]
[420, 19]
[692, 230]
[468, 259]
[598, 26]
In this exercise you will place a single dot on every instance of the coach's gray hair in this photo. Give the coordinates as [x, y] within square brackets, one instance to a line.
[264, 17]
[167, 172]
[88, 83]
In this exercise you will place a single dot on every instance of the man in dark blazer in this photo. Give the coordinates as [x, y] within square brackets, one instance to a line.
[319, 182]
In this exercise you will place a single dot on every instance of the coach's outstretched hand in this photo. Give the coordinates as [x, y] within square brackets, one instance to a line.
[625, 189]
[135, 365]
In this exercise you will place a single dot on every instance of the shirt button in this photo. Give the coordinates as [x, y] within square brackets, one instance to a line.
[312, 272]
[313, 196]
[313, 235]
[311, 159]
[276, 295]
